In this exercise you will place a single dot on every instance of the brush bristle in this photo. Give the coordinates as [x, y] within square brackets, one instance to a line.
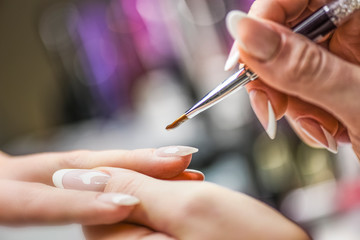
[177, 122]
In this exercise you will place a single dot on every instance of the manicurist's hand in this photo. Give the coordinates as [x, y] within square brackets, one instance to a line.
[315, 85]
[29, 196]
[190, 210]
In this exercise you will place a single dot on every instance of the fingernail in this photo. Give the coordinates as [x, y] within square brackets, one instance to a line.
[264, 111]
[80, 179]
[318, 133]
[196, 174]
[253, 36]
[233, 58]
[118, 199]
[175, 151]
[331, 141]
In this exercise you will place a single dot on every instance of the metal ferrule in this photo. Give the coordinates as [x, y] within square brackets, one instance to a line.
[339, 11]
[227, 87]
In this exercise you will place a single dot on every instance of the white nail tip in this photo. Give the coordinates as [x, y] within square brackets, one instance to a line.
[58, 176]
[194, 171]
[331, 141]
[271, 128]
[232, 20]
[125, 200]
[233, 58]
[177, 151]
[312, 137]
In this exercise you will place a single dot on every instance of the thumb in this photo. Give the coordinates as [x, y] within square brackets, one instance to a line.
[296, 66]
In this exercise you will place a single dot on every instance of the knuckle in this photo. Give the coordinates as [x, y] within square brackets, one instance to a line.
[307, 65]
[198, 204]
[126, 183]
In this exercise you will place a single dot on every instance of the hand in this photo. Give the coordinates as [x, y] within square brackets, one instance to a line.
[190, 210]
[315, 89]
[29, 196]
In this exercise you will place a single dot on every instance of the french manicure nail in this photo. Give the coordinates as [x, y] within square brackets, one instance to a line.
[264, 111]
[331, 140]
[232, 23]
[233, 58]
[253, 36]
[118, 199]
[317, 133]
[195, 172]
[175, 151]
[80, 179]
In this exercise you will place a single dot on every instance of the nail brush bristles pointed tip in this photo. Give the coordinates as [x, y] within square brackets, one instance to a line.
[177, 122]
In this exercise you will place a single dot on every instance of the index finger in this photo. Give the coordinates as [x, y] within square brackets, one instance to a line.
[164, 162]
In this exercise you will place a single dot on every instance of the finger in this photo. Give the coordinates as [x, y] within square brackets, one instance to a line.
[268, 104]
[313, 124]
[123, 231]
[294, 65]
[166, 162]
[280, 11]
[37, 203]
[96, 180]
[154, 192]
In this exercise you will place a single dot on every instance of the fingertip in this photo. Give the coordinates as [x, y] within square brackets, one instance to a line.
[58, 176]
[175, 151]
[278, 100]
[171, 161]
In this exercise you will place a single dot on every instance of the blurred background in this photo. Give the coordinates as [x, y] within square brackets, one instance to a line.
[111, 74]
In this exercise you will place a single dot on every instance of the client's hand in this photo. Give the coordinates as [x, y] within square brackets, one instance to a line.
[313, 87]
[190, 210]
[28, 195]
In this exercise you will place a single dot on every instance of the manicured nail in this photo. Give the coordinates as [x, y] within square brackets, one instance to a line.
[331, 140]
[119, 199]
[253, 36]
[197, 174]
[317, 133]
[233, 58]
[264, 111]
[175, 151]
[80, 179]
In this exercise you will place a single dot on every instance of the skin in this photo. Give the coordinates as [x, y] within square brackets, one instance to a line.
[296, 87]
[31, 197]
[191, 210]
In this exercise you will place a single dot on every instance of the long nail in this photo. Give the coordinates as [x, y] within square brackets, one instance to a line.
[80, 179]
[118, 199]
[317, 133]
[195, 174]
[253, 36]
[175, 151]
[233, 57]
[264, 111]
